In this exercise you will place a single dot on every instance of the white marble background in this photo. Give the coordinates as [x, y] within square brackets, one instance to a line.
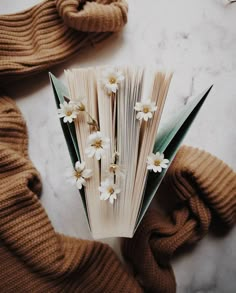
[197, 40]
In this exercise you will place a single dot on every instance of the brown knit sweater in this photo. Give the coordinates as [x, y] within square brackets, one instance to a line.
[53, 31]
[197, 189]
[33, 257]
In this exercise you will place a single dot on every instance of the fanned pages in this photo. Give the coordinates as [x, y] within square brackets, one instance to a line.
[112, 115]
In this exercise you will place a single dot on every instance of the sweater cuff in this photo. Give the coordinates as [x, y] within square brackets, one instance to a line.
[197, 173]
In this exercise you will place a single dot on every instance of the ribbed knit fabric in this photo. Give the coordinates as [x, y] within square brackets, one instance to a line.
[33, 257]
[52, 31]
[197, 189]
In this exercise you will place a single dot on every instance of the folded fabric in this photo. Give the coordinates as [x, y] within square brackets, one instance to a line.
[197, 189]
[52, 31]
[33, 257]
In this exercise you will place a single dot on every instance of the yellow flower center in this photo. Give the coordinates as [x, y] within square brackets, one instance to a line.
[113, 167]
[111, 190]
[145, 110]
[97, 144]
[157, 162]
[112, 80]
[68, 113]
[78, 174]
[81, 107]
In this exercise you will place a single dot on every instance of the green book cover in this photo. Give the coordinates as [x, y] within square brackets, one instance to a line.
[169, 137]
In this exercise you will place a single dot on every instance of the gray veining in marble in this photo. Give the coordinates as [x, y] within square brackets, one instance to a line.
[195, 39]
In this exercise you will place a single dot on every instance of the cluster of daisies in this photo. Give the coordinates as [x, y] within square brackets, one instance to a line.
[97, 143]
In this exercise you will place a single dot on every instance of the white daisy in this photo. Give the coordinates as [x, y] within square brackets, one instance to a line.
[145, 109]
[67, 111]
[109, 190]
[79, 175]
[156, 162]
[111, 78]
[97, 144]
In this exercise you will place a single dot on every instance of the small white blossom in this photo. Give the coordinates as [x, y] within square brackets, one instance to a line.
[79, 175]
[145, 109]
[115, 169]
[108, 190]
[111, 78]
[156, 162]
[78, 104]
[67, 111]
[115, 155]
[97, 144]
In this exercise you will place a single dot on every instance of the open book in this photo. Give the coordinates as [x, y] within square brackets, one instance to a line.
[110, 118]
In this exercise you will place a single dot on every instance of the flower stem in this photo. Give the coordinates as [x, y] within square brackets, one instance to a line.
[93, 123]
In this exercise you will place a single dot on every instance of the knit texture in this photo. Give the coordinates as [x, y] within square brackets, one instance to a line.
[33, 257]
[197, 189]
[53, 31]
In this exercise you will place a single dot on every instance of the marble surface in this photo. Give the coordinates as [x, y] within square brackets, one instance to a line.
[195, 39]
